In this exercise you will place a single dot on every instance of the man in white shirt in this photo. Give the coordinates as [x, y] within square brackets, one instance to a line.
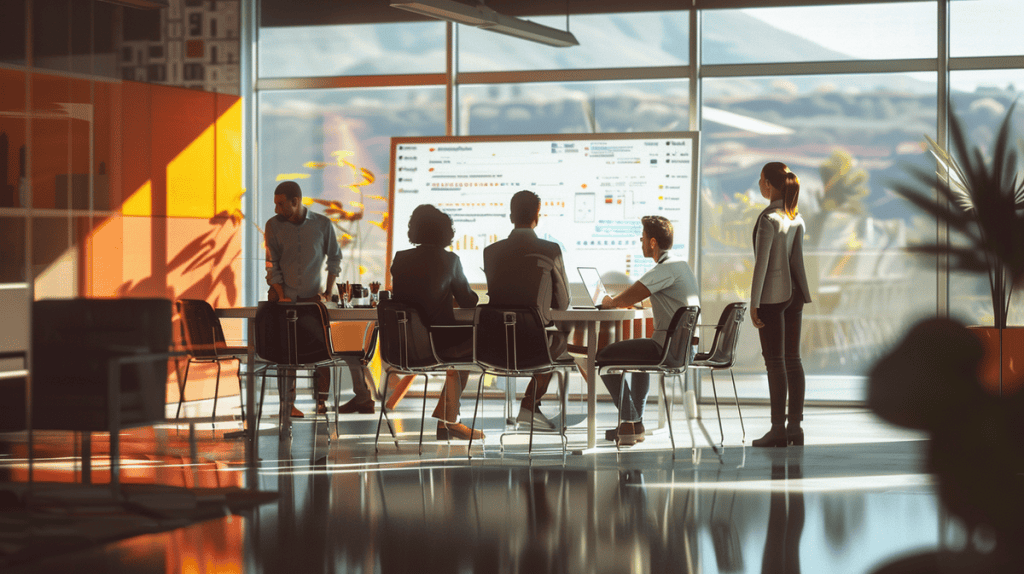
[670, 284]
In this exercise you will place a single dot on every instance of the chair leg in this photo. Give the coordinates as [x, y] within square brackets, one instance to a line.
[423, 414]
[383, 415]
[241, 391]
[737, 396]
[686, 411]
[216, 393]
[259, 411]
[476, 406]
[671, 435]
[718, 412]
[533, 417]
[181, 389]
[622, 402]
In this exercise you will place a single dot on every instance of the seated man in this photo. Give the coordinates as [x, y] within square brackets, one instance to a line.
[670, 284]
[430, 277]
[526, 270]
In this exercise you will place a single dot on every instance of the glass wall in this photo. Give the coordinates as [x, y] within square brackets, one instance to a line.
[843, 94]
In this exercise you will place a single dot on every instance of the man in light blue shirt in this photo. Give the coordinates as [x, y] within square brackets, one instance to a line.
[298, 242]
[670, 284]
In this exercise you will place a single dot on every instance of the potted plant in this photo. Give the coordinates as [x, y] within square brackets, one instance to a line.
[984, 205]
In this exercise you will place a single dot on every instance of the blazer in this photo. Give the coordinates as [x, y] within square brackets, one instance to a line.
[430, 277]
[526, 270]
[778, 257]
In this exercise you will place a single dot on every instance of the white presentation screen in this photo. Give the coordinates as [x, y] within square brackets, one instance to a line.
[593, 189]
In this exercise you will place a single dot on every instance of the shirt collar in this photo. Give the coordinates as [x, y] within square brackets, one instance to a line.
[523, 231]
[664, 257]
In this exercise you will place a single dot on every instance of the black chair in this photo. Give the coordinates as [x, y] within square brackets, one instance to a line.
[722, 356]
[294, 337]
[203, 338]
[670, 359]
[407, 348]
[100, 365]
[513, 342]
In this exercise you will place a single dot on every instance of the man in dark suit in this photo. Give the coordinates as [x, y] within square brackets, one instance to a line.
[526, 270]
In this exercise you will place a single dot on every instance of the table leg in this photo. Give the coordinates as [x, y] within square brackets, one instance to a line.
[592, 387]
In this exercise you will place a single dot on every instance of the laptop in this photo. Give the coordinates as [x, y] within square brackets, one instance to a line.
[594, 286]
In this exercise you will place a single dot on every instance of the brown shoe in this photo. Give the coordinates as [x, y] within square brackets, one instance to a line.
[321, 408]
[631, 433]
[296, 413]
[457, 431]
[354, 406]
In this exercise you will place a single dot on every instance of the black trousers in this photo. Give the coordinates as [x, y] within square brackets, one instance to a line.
[780, 347]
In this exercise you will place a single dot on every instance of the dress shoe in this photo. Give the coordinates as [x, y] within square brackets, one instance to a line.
[535, 418]
[354, 406]
[321, 408]
[795, 436]
[631, 433]
[612, 434]
[457, 431]
[774, 437]
[296, 413]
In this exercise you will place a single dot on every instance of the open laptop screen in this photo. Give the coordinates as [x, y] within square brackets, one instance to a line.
[592, 281]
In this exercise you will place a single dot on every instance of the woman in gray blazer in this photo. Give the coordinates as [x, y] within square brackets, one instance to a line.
[777, 296]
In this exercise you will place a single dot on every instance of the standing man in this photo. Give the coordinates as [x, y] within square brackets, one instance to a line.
[298, 242]
[670, 284]
[526, 270]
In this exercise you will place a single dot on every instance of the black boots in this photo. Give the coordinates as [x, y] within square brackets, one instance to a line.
[779, 435]
[774, 437]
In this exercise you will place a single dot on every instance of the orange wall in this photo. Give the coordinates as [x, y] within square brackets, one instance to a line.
[165, 171]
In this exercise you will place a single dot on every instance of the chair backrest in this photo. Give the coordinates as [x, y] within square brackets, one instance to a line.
[722, 353]
[72, 342]
[510, 339]
[680, 337]
[404, 336]
[293, 333]
[201, 332]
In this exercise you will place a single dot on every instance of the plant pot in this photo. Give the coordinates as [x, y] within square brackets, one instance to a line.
[1001, 371]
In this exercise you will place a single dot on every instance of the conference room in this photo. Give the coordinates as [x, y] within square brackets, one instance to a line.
[144, 140]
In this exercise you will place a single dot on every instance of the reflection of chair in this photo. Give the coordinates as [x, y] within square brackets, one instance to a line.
[294, 337]
[203, 337]
[407, 347]
[722, 355]
[513, 342]
[671, 359]
[99, 365]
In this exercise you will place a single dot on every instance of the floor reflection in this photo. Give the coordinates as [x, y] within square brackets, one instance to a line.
[343, 508]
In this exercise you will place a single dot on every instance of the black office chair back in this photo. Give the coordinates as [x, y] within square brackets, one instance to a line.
[510, 339]
[722, 353]
[201, 332]
[680, 337]
[404, 336]
[72, 342]
[293, 333]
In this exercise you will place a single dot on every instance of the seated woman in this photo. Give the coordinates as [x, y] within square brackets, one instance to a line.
[430, 277]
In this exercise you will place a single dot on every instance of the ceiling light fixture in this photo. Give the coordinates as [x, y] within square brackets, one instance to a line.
[481, 16]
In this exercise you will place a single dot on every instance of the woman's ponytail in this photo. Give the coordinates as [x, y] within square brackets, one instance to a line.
[786, 181]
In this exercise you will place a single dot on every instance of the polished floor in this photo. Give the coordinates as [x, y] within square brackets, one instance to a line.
[852, 500]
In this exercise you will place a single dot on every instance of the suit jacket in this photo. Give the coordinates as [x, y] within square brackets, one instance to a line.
[526, 270]
[429, 277]
[778, 257]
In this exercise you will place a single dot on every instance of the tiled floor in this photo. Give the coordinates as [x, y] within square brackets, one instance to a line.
[851, 500]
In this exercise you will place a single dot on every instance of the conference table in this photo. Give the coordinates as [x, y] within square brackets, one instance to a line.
[591, 317]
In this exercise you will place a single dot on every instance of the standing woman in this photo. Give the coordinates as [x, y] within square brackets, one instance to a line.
[777, 296]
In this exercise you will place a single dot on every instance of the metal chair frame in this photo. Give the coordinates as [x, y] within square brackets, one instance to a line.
[202, 349]
[399, 362]
[513, 368]
[722, 356]
[319, 345]
[680, 334]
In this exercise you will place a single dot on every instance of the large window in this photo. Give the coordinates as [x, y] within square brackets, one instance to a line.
[846, 138]
[576, 107]
[336, 145]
